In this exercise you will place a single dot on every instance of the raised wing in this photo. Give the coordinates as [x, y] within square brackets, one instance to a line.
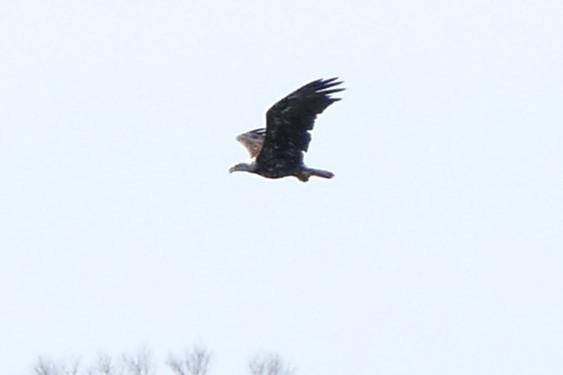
[253, 141]
[289, 121]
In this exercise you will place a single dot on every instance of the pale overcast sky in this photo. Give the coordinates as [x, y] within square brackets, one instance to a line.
[436, 249]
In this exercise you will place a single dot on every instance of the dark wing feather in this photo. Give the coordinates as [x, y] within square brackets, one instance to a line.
[289, 121]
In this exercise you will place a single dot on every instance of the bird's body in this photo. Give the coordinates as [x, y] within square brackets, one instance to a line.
[278, 149]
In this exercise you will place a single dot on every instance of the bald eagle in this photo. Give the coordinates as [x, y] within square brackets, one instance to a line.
[277, 151]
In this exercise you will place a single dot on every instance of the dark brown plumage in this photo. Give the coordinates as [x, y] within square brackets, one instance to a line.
[278, 149]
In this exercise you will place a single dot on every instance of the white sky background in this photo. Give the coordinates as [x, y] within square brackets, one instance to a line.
[437, 248]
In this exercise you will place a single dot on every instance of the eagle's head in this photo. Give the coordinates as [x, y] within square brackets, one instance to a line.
[243, 167]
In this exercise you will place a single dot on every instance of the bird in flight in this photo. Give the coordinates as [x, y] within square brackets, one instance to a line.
[277, 151]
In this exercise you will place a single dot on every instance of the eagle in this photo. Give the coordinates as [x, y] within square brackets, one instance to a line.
[277, 151]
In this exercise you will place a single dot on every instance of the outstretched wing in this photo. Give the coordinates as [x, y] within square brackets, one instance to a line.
[289, 121]
[253, 141]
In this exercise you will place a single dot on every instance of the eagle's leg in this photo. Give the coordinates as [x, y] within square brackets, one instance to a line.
[306, 173]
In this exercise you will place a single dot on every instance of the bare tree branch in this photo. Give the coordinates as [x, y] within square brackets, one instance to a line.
[269, 364]
[139, 364]
[194, 362]
[73, 367]
[105, 365]
[44, 366]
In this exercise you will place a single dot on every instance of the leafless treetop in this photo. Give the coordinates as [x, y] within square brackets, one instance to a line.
[269, 364]
[194, 362]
